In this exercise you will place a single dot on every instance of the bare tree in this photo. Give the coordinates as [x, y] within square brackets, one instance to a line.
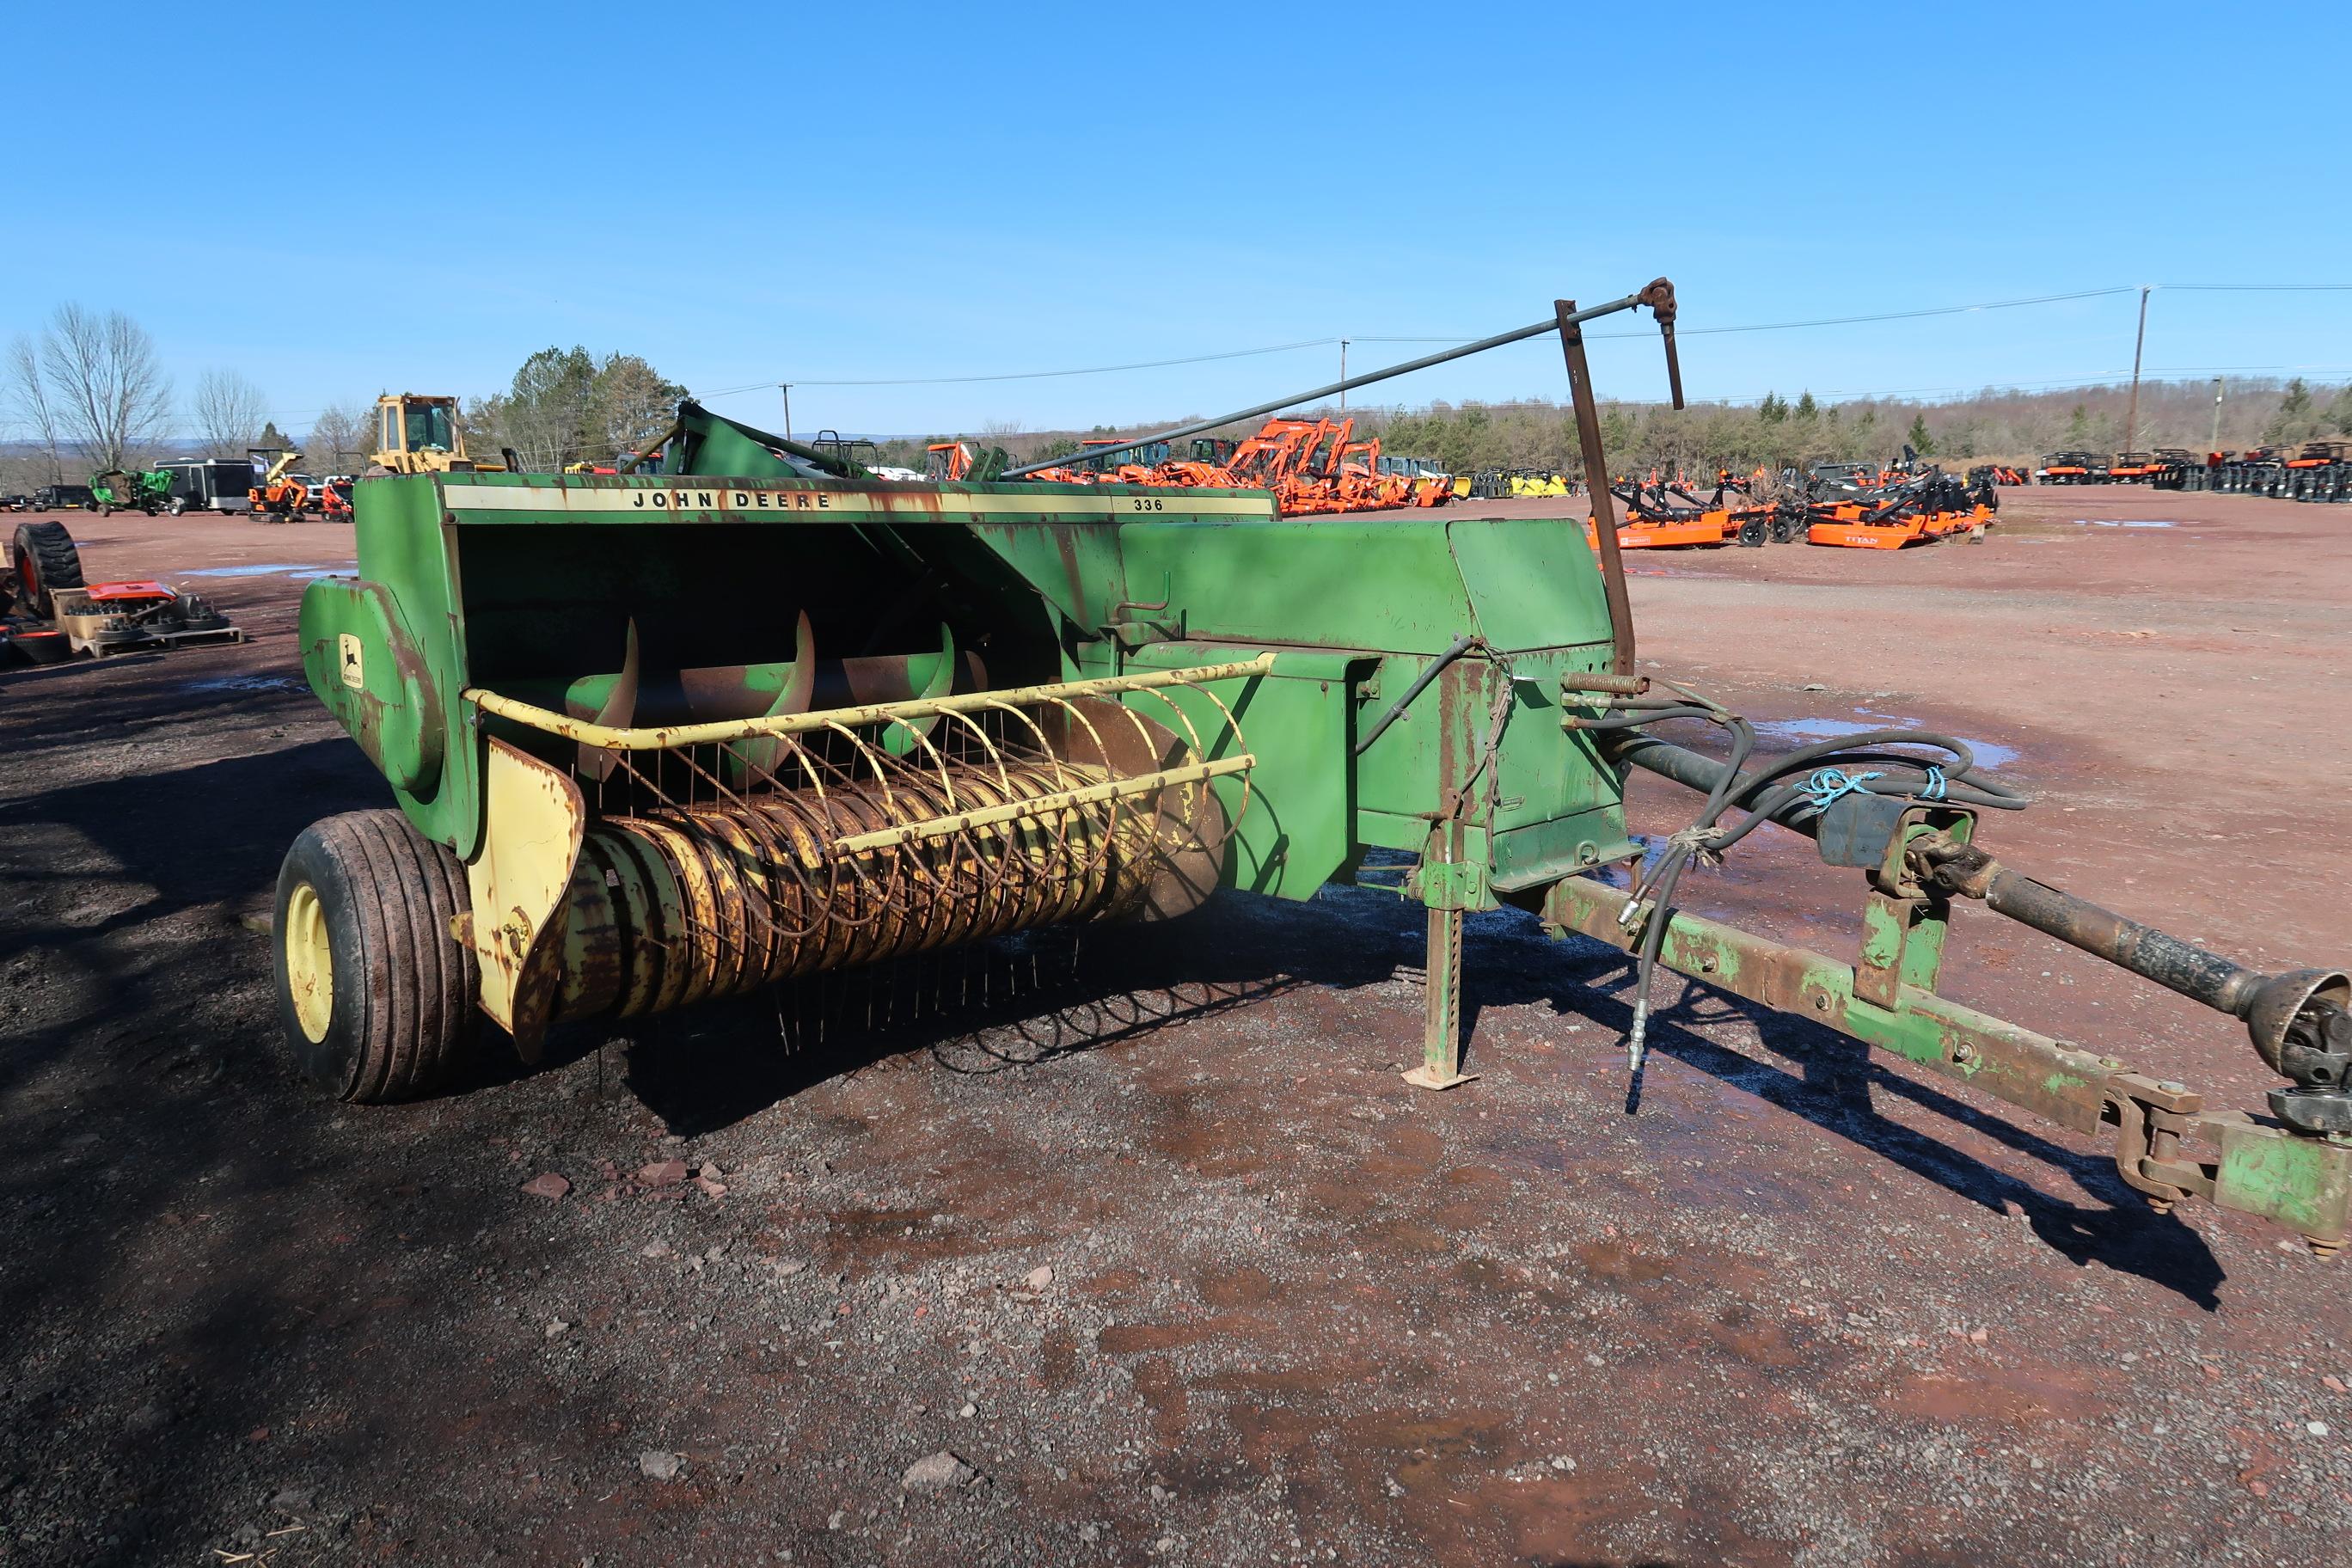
[630, 404]
[109, 392]
[340, 440]
[229, 412]
[28, 400]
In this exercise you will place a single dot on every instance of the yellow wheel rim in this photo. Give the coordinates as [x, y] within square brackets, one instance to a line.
[309, 961]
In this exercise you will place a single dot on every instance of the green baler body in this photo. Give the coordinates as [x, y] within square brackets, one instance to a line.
[526, 585]
[534, 587]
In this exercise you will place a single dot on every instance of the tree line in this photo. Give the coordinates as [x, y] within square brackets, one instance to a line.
[2003, 425]
[89, 393]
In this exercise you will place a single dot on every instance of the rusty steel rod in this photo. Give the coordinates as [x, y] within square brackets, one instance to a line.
[1596, 484]
[667, 737]
[2193, 972]
[2196, 973]
[1349, 383]
[1040, 805]
[1429, 672]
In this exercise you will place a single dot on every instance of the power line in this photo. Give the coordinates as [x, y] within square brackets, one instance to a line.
[2091, 378]
[2254, 287]
[1464, 336]
[1032, 374]
[1681, 331]
[1684, 331]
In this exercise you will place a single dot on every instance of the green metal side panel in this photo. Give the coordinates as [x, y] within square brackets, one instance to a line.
[2304, 1183]
[1408, 585]
[1532, 582]
[403, 610]
[1076, 568]
[1294, 830]
[1382, 585]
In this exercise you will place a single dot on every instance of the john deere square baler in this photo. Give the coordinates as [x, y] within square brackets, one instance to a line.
[660, 738]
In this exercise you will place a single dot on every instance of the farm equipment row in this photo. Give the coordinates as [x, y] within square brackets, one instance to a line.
[1512, 484]
[2073, 468]
[973, 708]
[2095, 468]
[1309, 466]
[2316, 472]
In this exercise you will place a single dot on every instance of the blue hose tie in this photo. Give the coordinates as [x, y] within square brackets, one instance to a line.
[1830, 785]
[1934, 788]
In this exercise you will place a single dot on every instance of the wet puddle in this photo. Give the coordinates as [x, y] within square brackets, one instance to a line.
[273, 569]
[1807, 732]
[246, 683]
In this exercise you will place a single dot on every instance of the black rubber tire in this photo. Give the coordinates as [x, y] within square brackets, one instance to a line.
[405, 992]
[1752, 533]
[46, 560]
[179, 505]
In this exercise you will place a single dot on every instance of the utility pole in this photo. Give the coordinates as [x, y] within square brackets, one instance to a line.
[2215, 444]
[786, 389]
[1343, 374]
[2131, 418]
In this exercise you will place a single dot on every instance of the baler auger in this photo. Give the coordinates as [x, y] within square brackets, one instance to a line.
[657, 739]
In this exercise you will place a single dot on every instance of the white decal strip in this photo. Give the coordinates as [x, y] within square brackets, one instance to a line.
[815, 501]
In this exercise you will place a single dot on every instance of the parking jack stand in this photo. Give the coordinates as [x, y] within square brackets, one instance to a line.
[1441, 1043]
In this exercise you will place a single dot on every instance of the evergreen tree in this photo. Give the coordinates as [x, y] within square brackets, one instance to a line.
[1921, 442]
[2294, 421]
[1806, 409]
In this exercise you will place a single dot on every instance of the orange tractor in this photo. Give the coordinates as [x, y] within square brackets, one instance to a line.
[279, 494]
[964, 461]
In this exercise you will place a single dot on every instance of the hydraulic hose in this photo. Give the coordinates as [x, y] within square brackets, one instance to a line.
[1793, 789]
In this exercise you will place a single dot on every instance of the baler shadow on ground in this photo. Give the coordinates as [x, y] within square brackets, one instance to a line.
[1063, 993]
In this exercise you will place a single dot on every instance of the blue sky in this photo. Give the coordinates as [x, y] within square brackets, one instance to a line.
[752, 194]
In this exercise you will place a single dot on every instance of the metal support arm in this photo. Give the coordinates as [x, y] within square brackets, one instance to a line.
[2166, 1145]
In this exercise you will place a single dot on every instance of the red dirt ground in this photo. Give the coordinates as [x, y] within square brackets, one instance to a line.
[1804, 1308]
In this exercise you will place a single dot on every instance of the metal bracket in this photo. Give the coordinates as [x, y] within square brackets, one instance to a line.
[1900, 906]
[1886, 931]
[2150, 1118]
[1455, 885]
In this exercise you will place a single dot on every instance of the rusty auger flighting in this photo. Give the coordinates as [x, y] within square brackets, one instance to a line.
[667, 736]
